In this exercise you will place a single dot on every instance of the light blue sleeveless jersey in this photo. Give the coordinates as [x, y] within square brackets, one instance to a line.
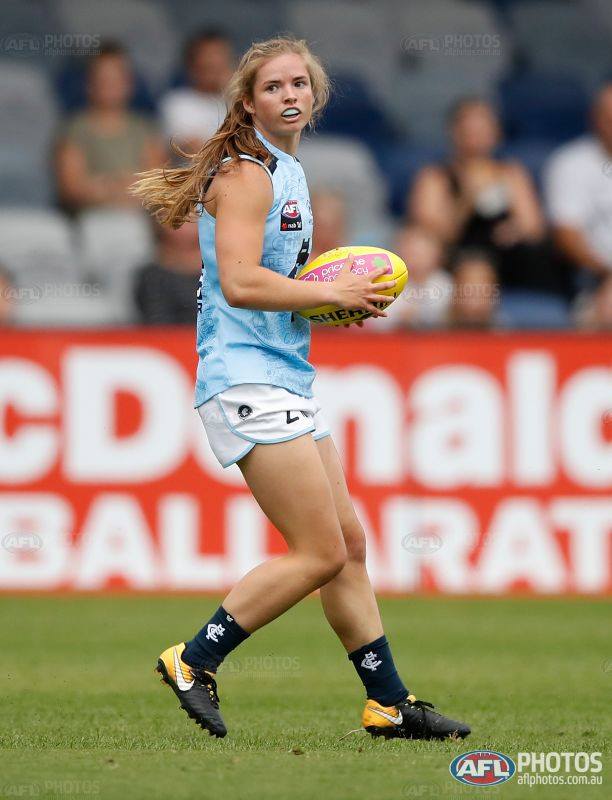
[241, 345]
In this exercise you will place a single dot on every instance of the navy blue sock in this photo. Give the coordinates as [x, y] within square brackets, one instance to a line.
[375, 667]
[218, 637]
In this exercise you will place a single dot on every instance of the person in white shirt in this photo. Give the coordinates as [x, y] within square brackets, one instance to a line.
[191, 114]
[578, 189]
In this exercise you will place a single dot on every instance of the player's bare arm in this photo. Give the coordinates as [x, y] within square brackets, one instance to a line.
[240, 201]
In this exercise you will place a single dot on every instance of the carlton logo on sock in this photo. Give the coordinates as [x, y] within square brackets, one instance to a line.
[212, 631]
[370, 662]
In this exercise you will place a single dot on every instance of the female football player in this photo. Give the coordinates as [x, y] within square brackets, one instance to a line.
[253, 388]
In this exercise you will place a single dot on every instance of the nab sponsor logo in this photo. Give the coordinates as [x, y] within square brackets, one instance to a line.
[482, 768]
[291, 219]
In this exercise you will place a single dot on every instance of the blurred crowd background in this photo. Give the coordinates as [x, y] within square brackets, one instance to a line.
[472, 137]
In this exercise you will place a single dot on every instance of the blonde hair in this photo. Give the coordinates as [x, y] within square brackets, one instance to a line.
[171, 194]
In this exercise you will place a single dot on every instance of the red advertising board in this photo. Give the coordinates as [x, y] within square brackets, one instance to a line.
[477, 464]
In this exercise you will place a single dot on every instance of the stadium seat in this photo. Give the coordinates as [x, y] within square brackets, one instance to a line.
[526, 310]
[38, 249]
[400, 164]
[554, 35]
[24, 179]
[37, 245]
[349, 37]
[353, 111]
[501, 7]
[601, 12]
[457, 35]
[248, 22]
[25, 31]
[544, 106]
[426, 100]
[145, 29]
[113, 243]
[346, 165]
[450, 49]
[87, 308]
[27, 124]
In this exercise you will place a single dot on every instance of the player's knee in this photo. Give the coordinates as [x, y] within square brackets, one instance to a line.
[355, 541]
[336, 563]
[329, 563]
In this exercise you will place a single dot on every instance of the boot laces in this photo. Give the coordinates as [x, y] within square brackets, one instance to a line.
[209, 683]
[422, 705]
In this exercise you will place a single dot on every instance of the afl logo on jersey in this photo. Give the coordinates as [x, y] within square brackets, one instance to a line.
[291, 219]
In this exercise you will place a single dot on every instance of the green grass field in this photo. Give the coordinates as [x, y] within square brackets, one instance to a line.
[84, 715]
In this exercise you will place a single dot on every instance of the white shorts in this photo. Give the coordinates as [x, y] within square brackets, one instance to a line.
[257, 413]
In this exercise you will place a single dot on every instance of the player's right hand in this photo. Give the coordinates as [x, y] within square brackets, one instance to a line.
[359, 292]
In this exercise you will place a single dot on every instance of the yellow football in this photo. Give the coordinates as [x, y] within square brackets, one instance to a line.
[327, 267]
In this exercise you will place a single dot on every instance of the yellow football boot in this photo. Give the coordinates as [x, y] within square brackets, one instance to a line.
[195, 688]
[410, 719]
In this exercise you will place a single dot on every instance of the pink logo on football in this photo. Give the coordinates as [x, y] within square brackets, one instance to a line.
[362, 265]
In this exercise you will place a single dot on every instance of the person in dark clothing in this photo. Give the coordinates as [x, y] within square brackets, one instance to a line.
[165, 290]
[476, 200]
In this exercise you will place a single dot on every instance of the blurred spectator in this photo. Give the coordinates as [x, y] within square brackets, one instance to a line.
[7, 308]
[100, 148]
[578, 187]
[165, 290]
[330, 218]
[476, 200]
[476, 292]
[191, 114]
[425, 301]
[595, 312]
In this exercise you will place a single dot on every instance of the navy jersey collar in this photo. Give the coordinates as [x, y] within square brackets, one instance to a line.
[276, 151]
